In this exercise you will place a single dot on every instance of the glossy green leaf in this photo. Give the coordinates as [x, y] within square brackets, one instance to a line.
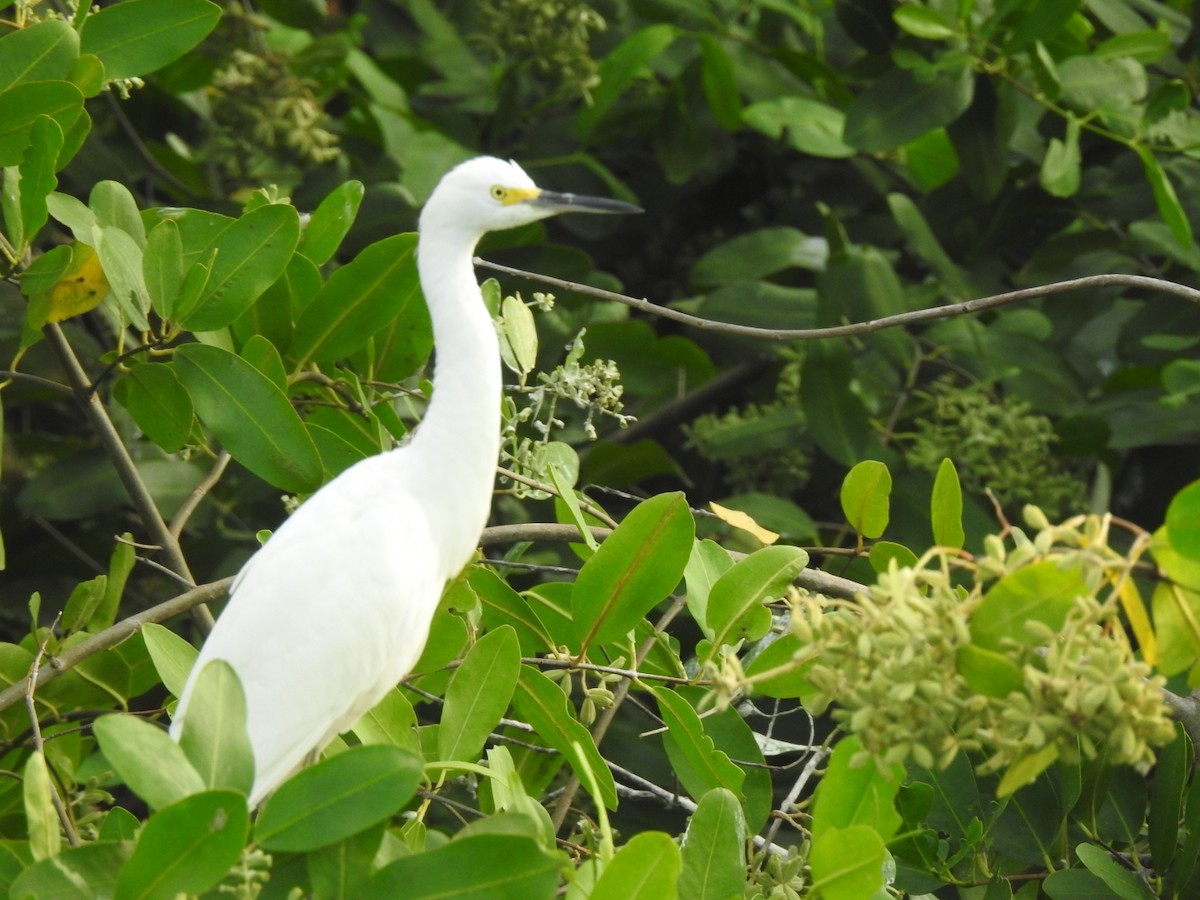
[542, 704]
[146, 759]
[250, 416]
[331, 221]
[698, 764]
[504, 606]
[807, 124]
[214, 737]
[45, 832]
[1042, 592]
[21, 106]
[781, 654]
[618, 70]
[759, 254]
[852, 795]
[173, 656]
[162, 266]
[636, 567]
[1061, 168]
[475, 867]
[120, 566]
[338, 797]
[837, 418]
[379, 287]
[945, 507]
[1088, 83]
[1171, 772]
[736, 603]
[1183, 522]
[847, 863]
[78, 873]
[866, 490]
[263, 355]
[518, 336]
[391, 721]
[159, 404]
[85, 598]
[718, 77]
[1117, 878]
[121, 258]
[478, 694]
[138, 36]
[644, 869]
[113, 205]
[42, 51]
[883, 552]
[898, 108]
[929, 24]
[187, 847]
[925, 244]
[251, 253]
[989, 672]
[36, 176]
[714, 849]
[344, 869]
[708, 562]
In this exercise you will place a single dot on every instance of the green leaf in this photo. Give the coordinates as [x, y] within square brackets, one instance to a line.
[719, 80]
[42, 51]
[44, 829]
[84, 600]
[865, 492]
[344, 869]
[925, 244]
[808, 125]
[698, 764]
[1060, 173]
[330, 223]
[783, 651]
[214, 736]
[1171, 771]
[638, 565]
[250, 416]
[251, 253]
[644, 869]
[847, 863]
[391, 721]
[945, 507]
[20, 108]
[478, 694]
[883, 552]
[474, 867]
[378, 288]
[338, 797]
[518, 336]
[837, 418]
[1183, 522]
[187, 847]
[543, 705]
[714, 849]
[989, 672]
[758, 254]
[37, 181]
[1122, 882]
[162, 266]
[618, 70]
[121, 258]
[1041, 592]
[113, 205]
[928, 24]
[898, 108]
[147, 760]
[856, 796]
[708, 562]
[504, 606]
[1040, 22]
[79, 873]
[159, 404]
[138, 36]
[173, 656]
[737, 602]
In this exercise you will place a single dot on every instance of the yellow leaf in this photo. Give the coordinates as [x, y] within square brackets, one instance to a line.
[81, 288]
[739, 519]
[1135, 612]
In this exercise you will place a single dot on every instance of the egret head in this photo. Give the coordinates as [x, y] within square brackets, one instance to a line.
[488, 194]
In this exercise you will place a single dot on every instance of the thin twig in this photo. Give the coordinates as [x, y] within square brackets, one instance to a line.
[123, 463]
[589, 508]
[113, 635]
[35, 381]
[201, 491]
[950, 310]
[39, 744]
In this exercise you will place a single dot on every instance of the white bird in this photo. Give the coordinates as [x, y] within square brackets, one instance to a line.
[335, 608]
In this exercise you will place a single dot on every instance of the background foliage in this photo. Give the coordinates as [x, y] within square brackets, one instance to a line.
[211, 308]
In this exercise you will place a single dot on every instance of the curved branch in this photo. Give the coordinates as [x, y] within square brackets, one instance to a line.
[979, 304]
[113, 635]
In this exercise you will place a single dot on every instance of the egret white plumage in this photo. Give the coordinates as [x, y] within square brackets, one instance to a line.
[335, 608]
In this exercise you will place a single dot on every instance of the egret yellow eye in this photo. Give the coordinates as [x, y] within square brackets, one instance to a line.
[499, 193]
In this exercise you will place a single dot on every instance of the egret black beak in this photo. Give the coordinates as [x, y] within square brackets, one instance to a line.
[562, 203]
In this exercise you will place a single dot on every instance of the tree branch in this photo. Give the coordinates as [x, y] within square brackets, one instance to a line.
[127, 471]
[979, 304]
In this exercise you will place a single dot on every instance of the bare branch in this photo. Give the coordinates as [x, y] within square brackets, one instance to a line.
[979, 304]
[193, 500]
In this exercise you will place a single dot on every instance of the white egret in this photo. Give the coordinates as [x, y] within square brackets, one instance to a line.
[335, 608]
